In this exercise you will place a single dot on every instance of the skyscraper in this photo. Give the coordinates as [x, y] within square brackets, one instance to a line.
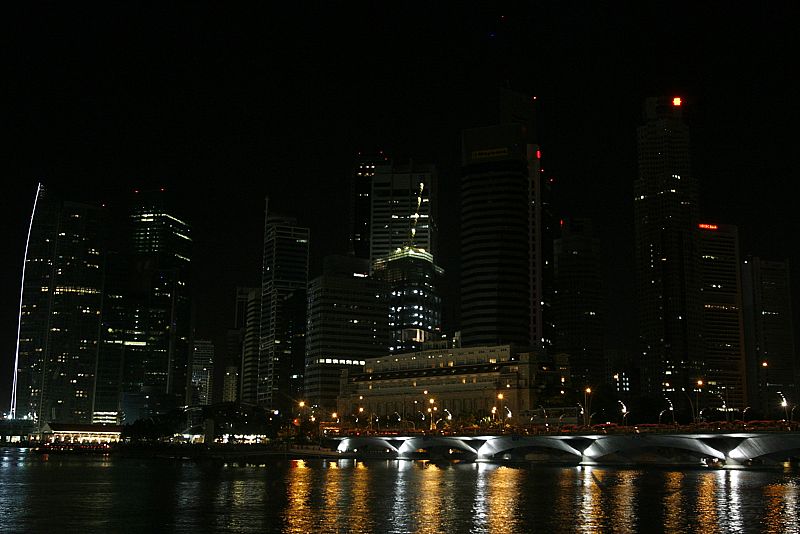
[347, 323]
[361, 202]
[773, 368]
[281, 360]
[665, 214]
[34, 312]
[403, 208]
[723, 357]
[61, 301]
[202, 372]
[578, 303]
[250, 319]
[411, 281]
[145, 341]
[502, 251]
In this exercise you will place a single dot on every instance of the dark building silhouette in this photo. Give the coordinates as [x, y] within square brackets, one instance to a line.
[248, 317]
[147, 317]
[281, 355]
[772, 363]
[723, 358]
[504, 257]
[361, 202]
[348, 321]
[578, 303]
[665, 214]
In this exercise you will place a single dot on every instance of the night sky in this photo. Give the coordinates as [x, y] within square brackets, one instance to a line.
[225, 106]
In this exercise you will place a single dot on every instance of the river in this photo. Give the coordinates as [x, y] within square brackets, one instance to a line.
[63, 493]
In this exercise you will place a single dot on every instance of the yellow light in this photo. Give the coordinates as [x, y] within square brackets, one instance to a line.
[335, 415]
[699, 382]
[588, 390]
[360, 409]
[302, 404]
[431, 401]
[500, 396]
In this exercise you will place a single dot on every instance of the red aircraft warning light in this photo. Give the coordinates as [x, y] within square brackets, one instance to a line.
[676, 101]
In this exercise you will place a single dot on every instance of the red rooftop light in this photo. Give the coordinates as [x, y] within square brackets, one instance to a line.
[676, 101]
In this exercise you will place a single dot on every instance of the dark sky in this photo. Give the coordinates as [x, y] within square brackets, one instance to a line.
[226, 106]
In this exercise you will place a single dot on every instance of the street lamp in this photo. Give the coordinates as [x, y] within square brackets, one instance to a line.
[691, 406]
[697, 398]
[624, 410]
[671, 409]
[785, 405]
[586, 398]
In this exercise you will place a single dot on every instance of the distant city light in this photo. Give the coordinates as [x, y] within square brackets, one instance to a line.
[676, 101]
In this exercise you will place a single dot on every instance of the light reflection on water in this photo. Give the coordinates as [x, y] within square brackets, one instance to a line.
[117, 494]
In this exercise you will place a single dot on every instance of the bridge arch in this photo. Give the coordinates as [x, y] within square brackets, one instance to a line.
[763, 446]
[605, 447]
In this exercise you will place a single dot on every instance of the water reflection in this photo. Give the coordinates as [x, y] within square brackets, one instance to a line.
[674, 516]
[504, 484]
[624, 503]
[113, 495]
[781, 503]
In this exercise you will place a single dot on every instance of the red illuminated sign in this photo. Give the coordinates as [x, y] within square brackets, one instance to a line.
[707, 226]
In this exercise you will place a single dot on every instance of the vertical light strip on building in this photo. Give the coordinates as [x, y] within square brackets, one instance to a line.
[13, 411]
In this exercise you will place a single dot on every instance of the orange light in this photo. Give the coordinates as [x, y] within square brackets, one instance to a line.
[707, 226]
[676, 101]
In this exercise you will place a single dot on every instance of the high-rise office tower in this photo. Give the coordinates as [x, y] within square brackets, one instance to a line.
[578, 303]
[61, 303]
[145, 341]
[665, 214]
[249, 316]
[234, 342]
[347, 323]
[503, 254]
[403, 208]
[773, 368]
[230, 384]
[34, 312]
[202, 372]
[281, 360]
[415, 308]
[723, 371]
[361, 201]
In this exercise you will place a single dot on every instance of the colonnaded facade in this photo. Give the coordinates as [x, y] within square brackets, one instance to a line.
[498, 381]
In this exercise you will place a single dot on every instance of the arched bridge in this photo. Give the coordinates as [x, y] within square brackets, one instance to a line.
[737, 448]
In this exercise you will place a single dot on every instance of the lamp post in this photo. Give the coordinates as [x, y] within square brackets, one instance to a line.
[691, 406]
[586, 399]
[785, 406]
[697, 398]
[624, 411]
[431, 409]
[671, 408]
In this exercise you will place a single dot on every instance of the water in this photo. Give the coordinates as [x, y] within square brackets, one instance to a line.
[93, 494]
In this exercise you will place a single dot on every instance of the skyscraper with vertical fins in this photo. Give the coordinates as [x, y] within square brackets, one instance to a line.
[504, 257]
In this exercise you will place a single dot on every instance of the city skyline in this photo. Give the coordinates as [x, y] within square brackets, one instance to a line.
[725, 165]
